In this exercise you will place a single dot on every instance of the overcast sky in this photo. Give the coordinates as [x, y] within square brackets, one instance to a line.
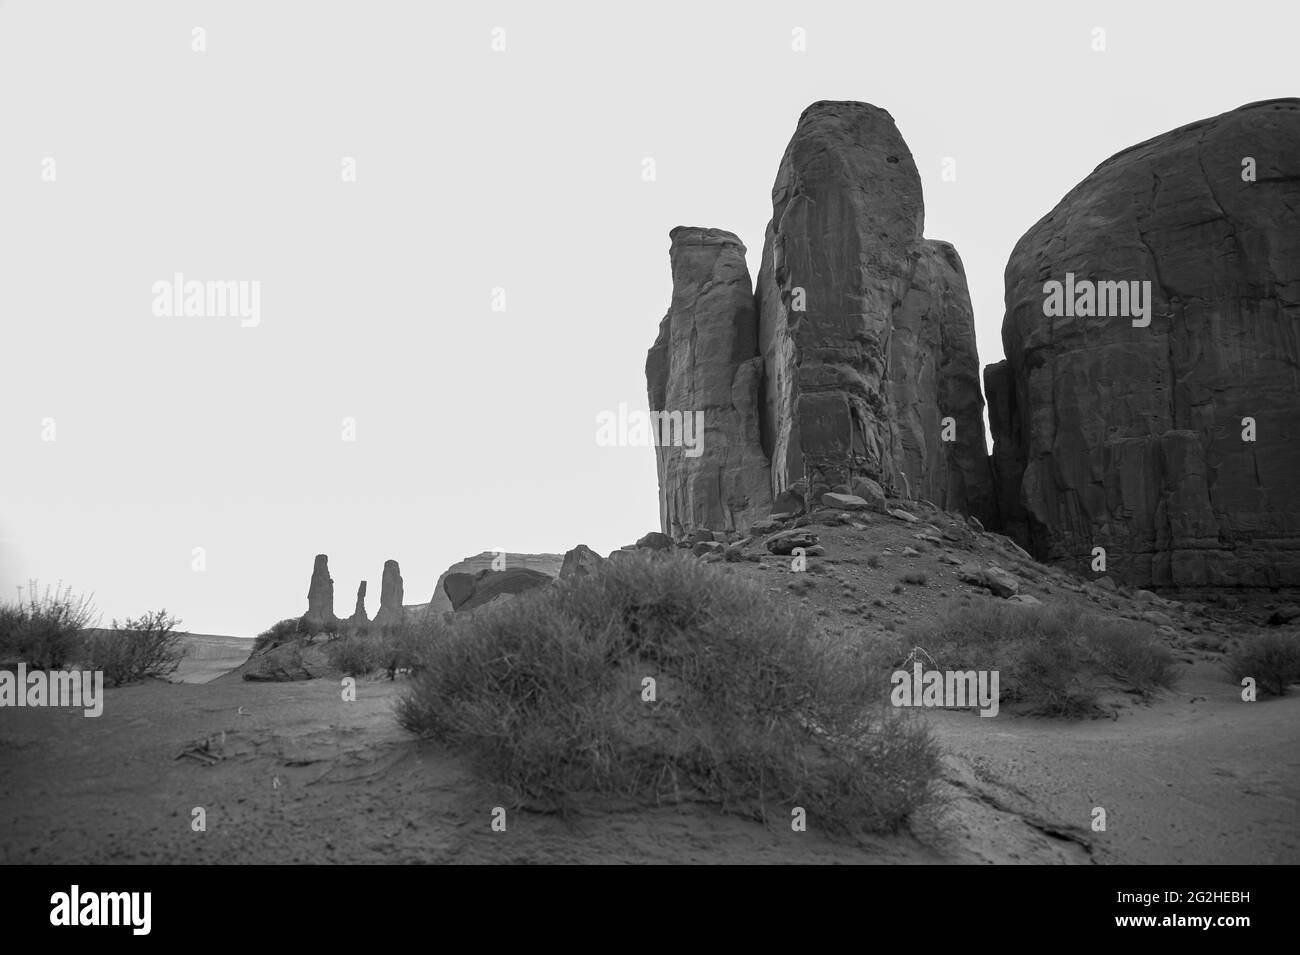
[130, 438]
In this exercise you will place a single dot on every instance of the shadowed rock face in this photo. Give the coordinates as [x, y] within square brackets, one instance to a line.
[706, 360]
[320, 595]
[1130, 438]
[859, 380]
[864, 332]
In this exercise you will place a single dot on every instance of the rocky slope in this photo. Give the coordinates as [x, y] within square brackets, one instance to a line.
[1131, 430]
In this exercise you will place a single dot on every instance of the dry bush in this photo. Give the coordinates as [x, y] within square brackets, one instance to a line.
[754, 711]
[44, 629]
[1272, 659]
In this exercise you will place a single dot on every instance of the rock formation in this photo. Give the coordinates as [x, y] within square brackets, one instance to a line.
[471, 591]
[866, 327]
[706, 360]
[320, 596]
[580, 562]
[863, 329]
[548, 564]
[359, 618]
[390, 596]
[1121, 424]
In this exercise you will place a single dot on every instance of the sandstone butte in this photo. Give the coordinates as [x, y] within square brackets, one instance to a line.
[1172, 444]
[1131, 438]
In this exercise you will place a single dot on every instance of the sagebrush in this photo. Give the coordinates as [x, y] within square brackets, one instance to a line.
[748, 707]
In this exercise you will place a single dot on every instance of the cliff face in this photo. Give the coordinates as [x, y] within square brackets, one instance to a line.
[706, 361]
[1120, 424]
[863, 329]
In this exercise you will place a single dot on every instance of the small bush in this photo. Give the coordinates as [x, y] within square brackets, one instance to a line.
[286, 657]
[404, 646]
[1272, 659]
[44, 630]
[915, 578]
[282, 632]
[752, 710]
[1126, 651]
[146, 646]
[354, 656]
[873, 561]
[1053, 659]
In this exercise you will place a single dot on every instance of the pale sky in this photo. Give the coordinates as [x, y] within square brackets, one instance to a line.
[475, 170]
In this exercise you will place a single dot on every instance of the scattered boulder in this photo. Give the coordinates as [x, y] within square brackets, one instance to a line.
[992, 578]
[904, 516]
[1284, 615]
[655, 541]
[1157, 618]
[786, 541]
[871, 492]
[847, 502]
[580, 562]
[1029, 600]
[788, 503]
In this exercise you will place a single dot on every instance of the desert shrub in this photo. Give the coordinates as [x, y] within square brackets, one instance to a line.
[286, 657]
[1052, 659]
[753, 708]
[873, 561]
[352, 655]
[915, 578]
[403, 647]
[1126, 651]
[44, 629]
[1272, 659]
[147, 646]
[278, 633]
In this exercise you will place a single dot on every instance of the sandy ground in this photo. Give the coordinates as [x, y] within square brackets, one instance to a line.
[1196, 776]
[306, 777]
